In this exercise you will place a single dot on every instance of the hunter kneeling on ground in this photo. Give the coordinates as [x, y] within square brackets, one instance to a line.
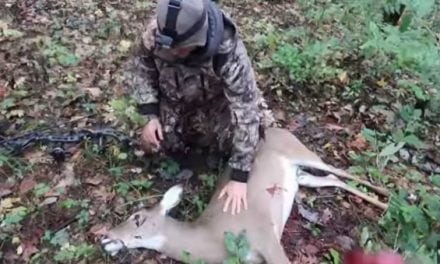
[194, 83]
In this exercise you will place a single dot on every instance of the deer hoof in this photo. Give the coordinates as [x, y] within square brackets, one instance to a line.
[112, 246]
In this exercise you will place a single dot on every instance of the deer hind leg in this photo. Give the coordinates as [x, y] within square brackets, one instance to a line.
[312, 181]
[272, 251]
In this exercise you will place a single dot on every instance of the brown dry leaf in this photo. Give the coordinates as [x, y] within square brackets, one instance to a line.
[124, 46]
[29, 249]
[310, 250]
[99, 229]
[67, 177]
[333, 127]
[345, 242]
[8, 203]
[3, 91]
[95, 92]
[312, 217]
[326, 216]
[27, 185]
[343, 77]
[49, 201]
[293, 125]
[360, 143]
[345, 204]
[94, 181]
[5, 190]
[36, 157]
[370, 214]
[109, 117]
[102, 194]
[382, 83]
[77, 117]
[306, 259]
[280, 115]
[15, 113]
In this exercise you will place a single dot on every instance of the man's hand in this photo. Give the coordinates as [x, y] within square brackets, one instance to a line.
[152, 134]
[236, 194]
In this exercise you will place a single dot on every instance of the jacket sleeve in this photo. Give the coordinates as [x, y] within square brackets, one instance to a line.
[142, 76]
[242, 93]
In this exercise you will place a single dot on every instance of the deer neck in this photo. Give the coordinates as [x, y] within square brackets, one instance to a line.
[189, 237]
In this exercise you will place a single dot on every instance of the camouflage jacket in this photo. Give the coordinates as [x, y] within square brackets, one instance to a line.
[155, 76]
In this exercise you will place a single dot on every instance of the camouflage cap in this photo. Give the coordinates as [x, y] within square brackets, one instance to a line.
[191, 21]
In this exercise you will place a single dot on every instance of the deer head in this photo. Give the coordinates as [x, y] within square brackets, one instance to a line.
[143, 228]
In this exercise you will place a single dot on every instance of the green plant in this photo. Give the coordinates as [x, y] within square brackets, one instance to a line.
[310, 62]
[333, 256]
[16, 165]
[15, 216]
[125, 110]
[75, 253]
[57, 53]
[413, 227]
[124, 187]
[237, 247]
[187, 259]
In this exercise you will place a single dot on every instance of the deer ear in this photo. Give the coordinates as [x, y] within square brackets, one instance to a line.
[171, 198]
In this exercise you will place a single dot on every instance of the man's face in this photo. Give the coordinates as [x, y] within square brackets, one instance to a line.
[182, 52]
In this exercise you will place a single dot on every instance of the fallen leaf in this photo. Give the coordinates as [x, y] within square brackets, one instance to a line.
[360, 143]
[382, 83]
[37, 157]
[310, 250]
[95, 92]
[15, 113]
[333, 127]
[343, 77]
[99, 229]
[345, 242]
[280, 115]
[27, 185]
[307, 259]
[8, 203]
[298, 121]
[308, 215]
[109, 117]
[346, 205]
[124, 45]
[67, 178]
[29, 249]
[5, 190]
[102, 194]
[49, 201]
[11, 257]
[19, 250]
[3, 91]
[293, 125]
[136, 170]
[326, 216]
[16, 240]
[77, 118]
[93, 181]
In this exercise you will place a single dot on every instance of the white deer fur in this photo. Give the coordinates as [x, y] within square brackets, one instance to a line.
[273, 183]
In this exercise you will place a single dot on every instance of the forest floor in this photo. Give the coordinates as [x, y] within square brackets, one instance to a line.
[60, 69]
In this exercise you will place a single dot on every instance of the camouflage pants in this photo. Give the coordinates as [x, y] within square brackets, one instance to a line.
[206, 126]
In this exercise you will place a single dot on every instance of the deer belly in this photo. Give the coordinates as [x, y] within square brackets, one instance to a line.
[290, 186]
